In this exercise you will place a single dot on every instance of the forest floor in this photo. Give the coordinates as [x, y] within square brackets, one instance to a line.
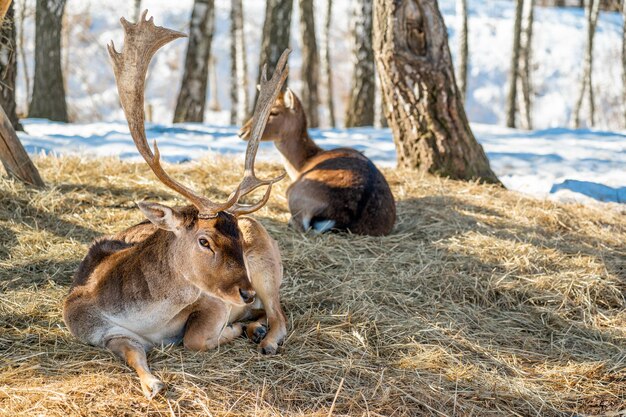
[481, 302]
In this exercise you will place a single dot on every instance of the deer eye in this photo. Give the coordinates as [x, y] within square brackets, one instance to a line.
[273, 113]
[205, 243]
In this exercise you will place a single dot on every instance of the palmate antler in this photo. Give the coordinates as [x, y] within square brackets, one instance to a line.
[141, 41]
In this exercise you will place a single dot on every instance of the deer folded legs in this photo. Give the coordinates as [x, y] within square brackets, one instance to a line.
[207, 326]
[134, 354]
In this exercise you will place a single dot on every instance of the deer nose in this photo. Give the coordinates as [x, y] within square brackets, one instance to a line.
[247, 295]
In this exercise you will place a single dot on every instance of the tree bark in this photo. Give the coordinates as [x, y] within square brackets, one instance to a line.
[22, 52]
[239, 69]
[310, 63]
[193, 90]
[48, 100]
[624, 58]
[8, 68]
[592, 9]
[276, 35]
[137, 10]
[424, 108]
[214, 104]
[360, 110]
[461, 11]
[511, 100]
[325, 64]
[525, 64]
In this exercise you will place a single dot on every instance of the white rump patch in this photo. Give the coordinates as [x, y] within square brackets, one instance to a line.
[322, 226]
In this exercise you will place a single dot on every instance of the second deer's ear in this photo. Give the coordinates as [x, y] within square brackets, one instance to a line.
[289, 99]
[162, 216]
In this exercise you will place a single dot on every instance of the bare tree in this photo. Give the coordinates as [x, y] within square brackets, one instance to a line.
[22, 52]
[592, 9]
[325, 64]
[461, 11]
[48, 100]
[511, 100]
[193, 90]
[8, 68]
[276, 35]
[12, 154]
[360, 110]
[624, 57]
[424, 107]
[525, 64]
[310, 63]
[214, 105]
[136, 10]
[239, 69]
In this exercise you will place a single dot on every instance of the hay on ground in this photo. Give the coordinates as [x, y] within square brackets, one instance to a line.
[482, 302]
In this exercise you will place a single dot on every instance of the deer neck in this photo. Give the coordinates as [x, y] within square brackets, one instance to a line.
[296, 152]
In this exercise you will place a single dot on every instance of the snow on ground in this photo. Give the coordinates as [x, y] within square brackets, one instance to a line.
[562, 164]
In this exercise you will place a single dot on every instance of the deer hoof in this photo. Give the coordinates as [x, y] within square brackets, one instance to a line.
[152, 388]
[268, 349]
[258, 334]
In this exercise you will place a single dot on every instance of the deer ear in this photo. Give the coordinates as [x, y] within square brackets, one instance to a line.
[289, 99]
[162, 216]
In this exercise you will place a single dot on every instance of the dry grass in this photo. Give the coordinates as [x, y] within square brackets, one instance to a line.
[482, 302]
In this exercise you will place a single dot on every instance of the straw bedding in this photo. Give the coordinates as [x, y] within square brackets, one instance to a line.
[482, 302]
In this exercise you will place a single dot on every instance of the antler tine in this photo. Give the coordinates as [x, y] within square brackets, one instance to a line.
[141, 41]
[267, 96]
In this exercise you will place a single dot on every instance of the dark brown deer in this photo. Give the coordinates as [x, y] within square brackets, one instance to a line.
[192, 273]
[338, 189]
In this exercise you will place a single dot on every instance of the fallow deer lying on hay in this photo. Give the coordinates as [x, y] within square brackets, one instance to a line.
[337, 189]
[193, 273]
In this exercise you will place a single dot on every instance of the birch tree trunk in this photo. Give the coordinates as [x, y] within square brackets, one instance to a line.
[276, 35]
[310, 63]
[624, 57]
[239, 68]
[48, 100]
[424, 107]
[22, 51]
[592, 9]
[461, 11]
[137, 10]
[511, 100]
[193, 90]
[360, 110]
[8, 68]
[525, 65]
[325, 64]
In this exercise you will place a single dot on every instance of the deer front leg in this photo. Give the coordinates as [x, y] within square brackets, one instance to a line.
[134, 354]
[207, 326]
[266, 273]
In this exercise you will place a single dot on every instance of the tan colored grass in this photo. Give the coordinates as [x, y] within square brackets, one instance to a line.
[482, 302]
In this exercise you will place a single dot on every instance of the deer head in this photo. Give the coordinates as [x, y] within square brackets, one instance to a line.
[204, 240]
[287, 120]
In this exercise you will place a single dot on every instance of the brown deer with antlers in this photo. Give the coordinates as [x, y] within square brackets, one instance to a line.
[339, 189]
[192, 273]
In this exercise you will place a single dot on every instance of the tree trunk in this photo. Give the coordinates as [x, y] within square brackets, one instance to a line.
[511, 100]
[193, 90]
[525, 64]
[214, 104]
[591, 12]
[276, 35]
[8, 68]
[239, 69]
[624, 57]
[325, 64]
[22, 52]
[424, 108]
[137, 10]
[360, 110]
[310, 63]
[461, 11]
[48, 99]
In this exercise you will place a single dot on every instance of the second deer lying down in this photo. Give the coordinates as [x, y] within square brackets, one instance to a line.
[192, 273]
[339, 189]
